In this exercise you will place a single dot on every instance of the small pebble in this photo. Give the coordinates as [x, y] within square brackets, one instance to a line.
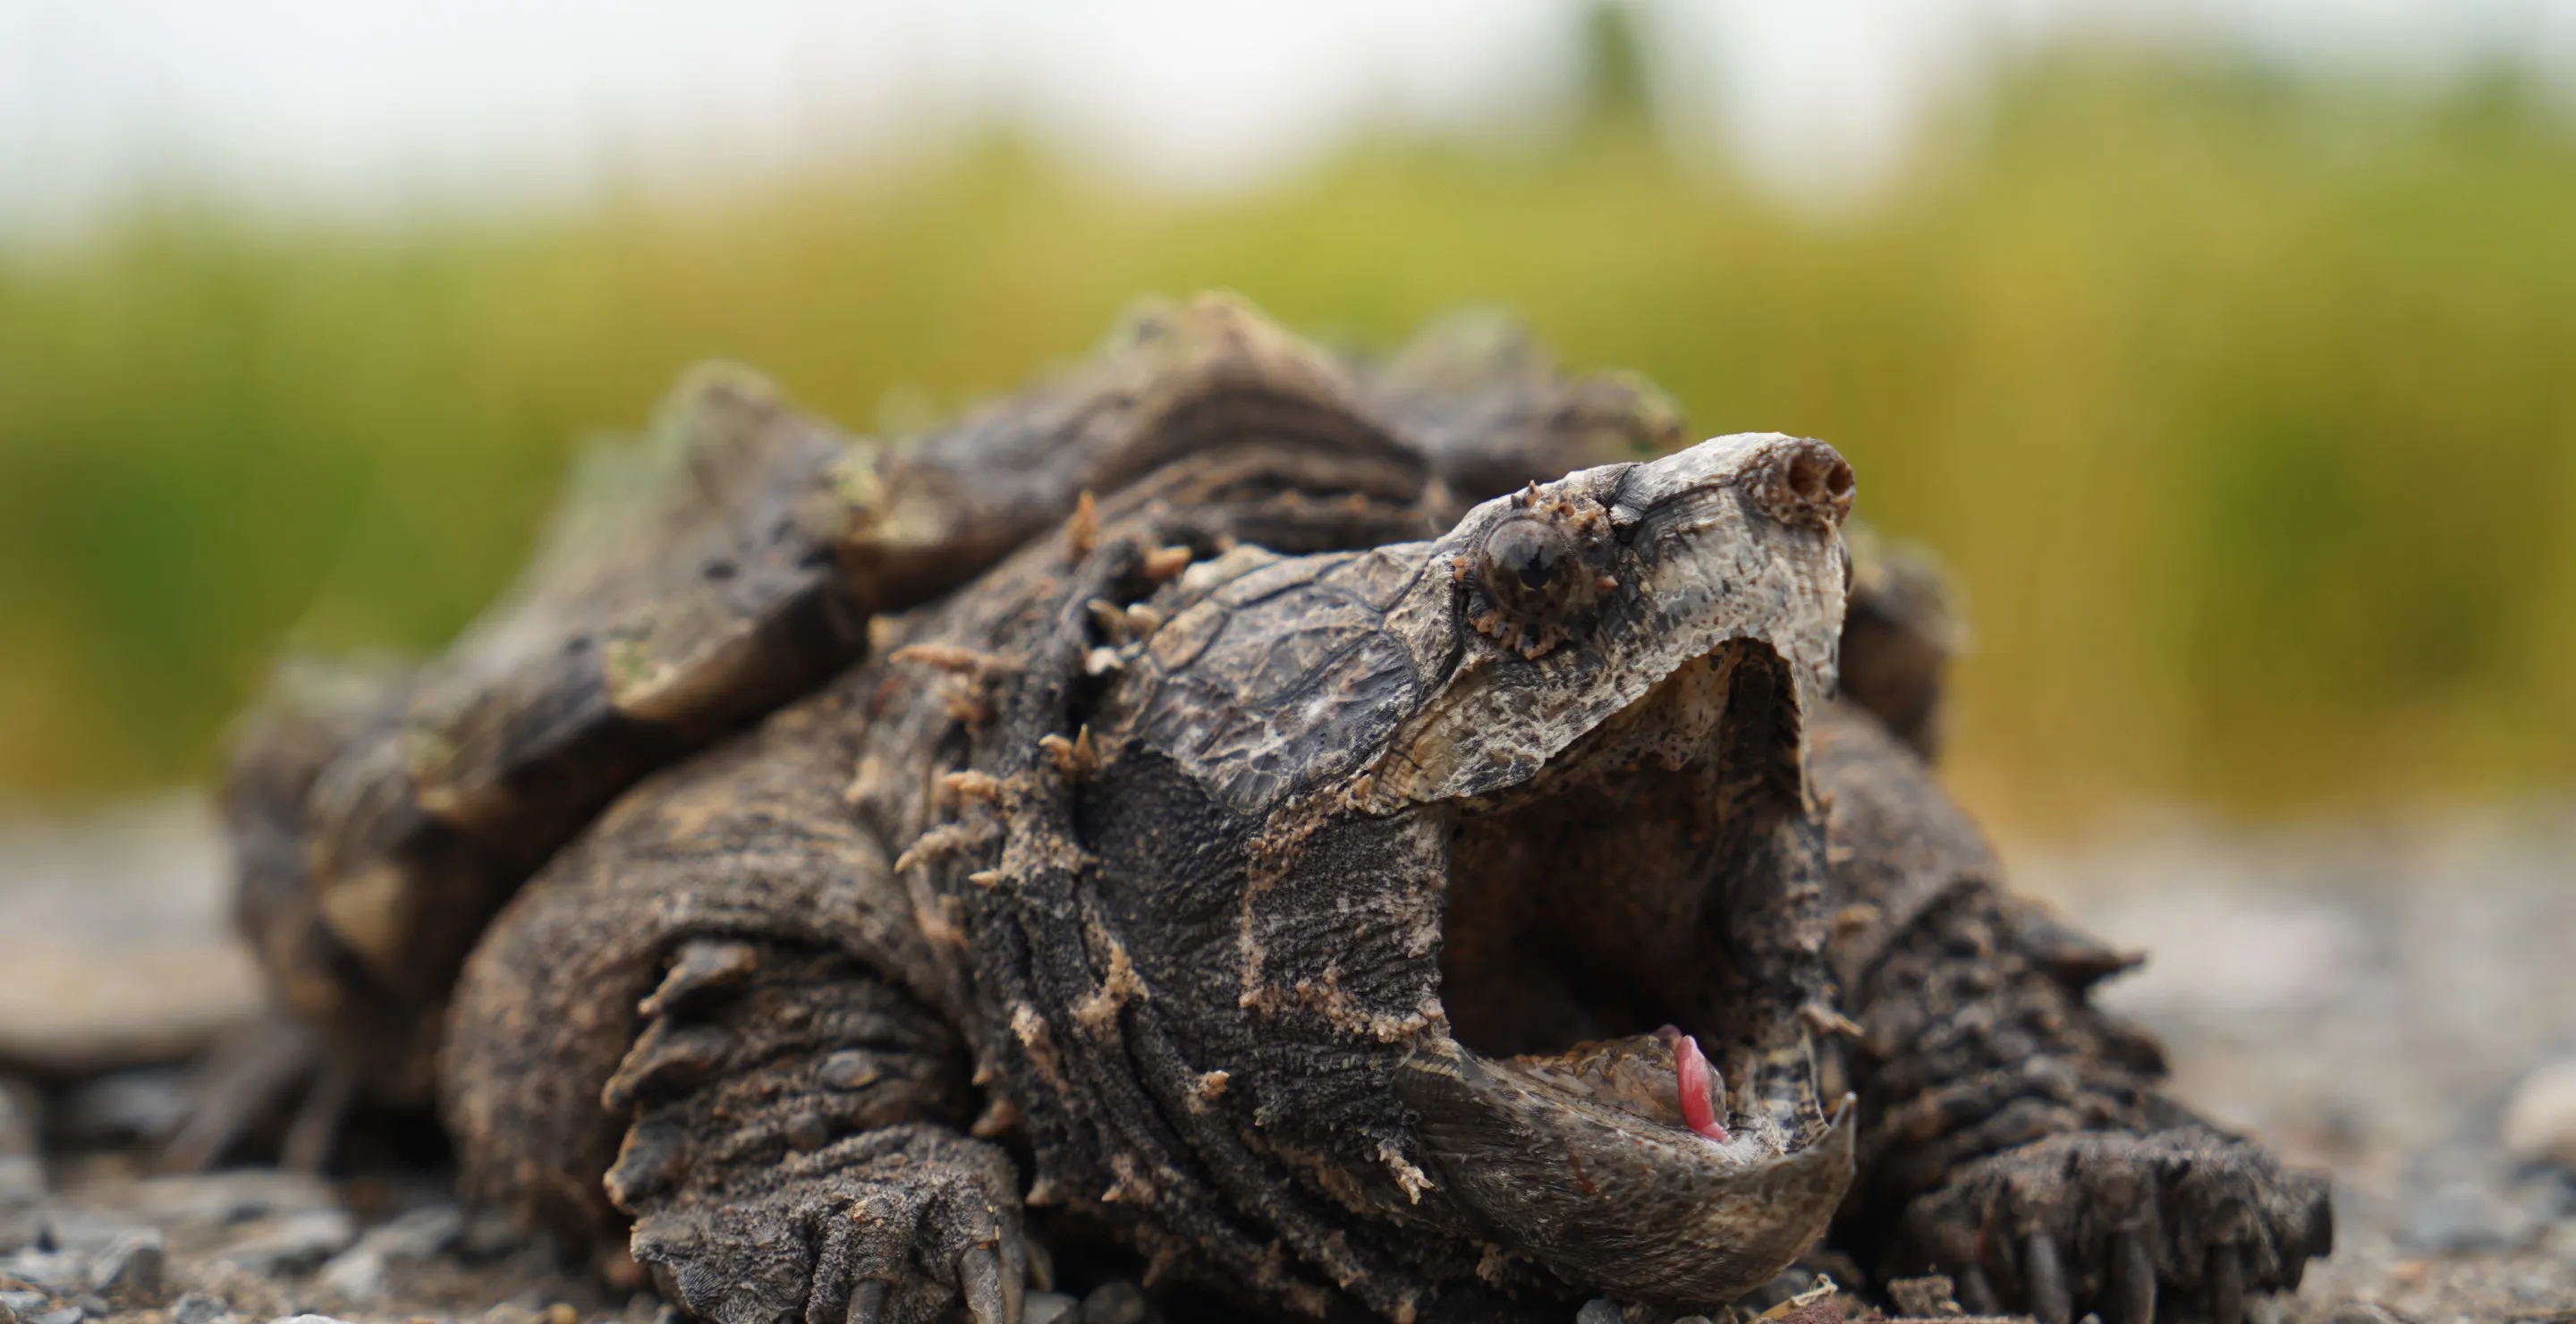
[1599, 1310]
[1048, 1308]
[7, 1314]
[1114, 1302]
[22, 1303]
[292, 1244]
[2540, 1119]
[198, 1308]
[132, 1267]
[66, 1315]
[356, 1274]
[417, 1235]
[308, 1319]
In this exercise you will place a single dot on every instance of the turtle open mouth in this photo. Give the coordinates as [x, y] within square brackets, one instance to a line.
[1632, 886]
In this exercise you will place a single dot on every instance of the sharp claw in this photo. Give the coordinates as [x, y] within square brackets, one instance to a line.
[2226, 1284]
[2135, 1277]
[1977, 1294]
[2044, 1280]
[1015, 1274]
[979, 1280]
[315, 1133]
[867, 1302]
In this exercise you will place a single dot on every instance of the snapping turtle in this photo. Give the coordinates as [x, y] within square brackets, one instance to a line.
[1180, 814]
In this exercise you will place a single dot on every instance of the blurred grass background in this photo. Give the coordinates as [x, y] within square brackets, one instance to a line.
[2242, 405]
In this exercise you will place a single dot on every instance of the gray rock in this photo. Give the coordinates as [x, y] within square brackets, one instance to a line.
[308, 1319]
[66, 1315]
[417, 1235]
[132, 1268]
[1598, 1310]
[22, 1303]
[356, 1274]
[1048, 1308]
[1114, 1302]
[292, 1244]
[199, 1308]
[8, 1314]
[2540, 1119]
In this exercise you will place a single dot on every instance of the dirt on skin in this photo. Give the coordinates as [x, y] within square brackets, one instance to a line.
[2366, 998]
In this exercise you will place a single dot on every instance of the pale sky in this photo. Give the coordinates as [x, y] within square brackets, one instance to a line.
[333, 104]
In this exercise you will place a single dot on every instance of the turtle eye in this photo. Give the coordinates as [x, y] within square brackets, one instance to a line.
[1525, 560]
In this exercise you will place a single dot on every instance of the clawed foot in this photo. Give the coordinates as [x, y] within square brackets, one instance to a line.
[2113, 1222]
[898, 1226]
[262, 1070]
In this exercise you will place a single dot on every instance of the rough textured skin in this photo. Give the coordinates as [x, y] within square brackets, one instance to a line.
[2015, 1139]
[1240, 870]
[728, 563]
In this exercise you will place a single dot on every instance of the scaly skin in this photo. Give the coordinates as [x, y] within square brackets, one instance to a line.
[1192, 940]
[2015, 1138]
[729, 563]
[1185, 878]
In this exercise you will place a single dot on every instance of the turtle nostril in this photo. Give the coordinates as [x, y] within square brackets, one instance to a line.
[1819, 477]
[1812, 485]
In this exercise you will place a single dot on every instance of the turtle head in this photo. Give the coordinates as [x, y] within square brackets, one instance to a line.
[1489, 867]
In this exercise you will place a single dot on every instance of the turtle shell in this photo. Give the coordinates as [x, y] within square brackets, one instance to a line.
[732, 559]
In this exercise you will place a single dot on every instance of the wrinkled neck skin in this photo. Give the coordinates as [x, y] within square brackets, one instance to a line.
[1448, 940]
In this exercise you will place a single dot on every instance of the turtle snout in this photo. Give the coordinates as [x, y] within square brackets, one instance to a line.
[1806, 482]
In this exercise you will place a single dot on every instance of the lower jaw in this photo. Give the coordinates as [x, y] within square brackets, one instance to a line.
[1625, 1204]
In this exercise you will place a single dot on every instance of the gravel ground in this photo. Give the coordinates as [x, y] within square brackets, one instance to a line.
[2395, 1002]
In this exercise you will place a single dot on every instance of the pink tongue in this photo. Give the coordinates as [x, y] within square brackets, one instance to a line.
[1696, 1078]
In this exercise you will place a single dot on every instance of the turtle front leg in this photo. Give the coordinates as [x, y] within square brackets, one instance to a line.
[2021, 1146]
[2014, 1135]
[794, 1152]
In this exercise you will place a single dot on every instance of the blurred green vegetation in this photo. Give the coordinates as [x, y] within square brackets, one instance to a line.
[2243, 407]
